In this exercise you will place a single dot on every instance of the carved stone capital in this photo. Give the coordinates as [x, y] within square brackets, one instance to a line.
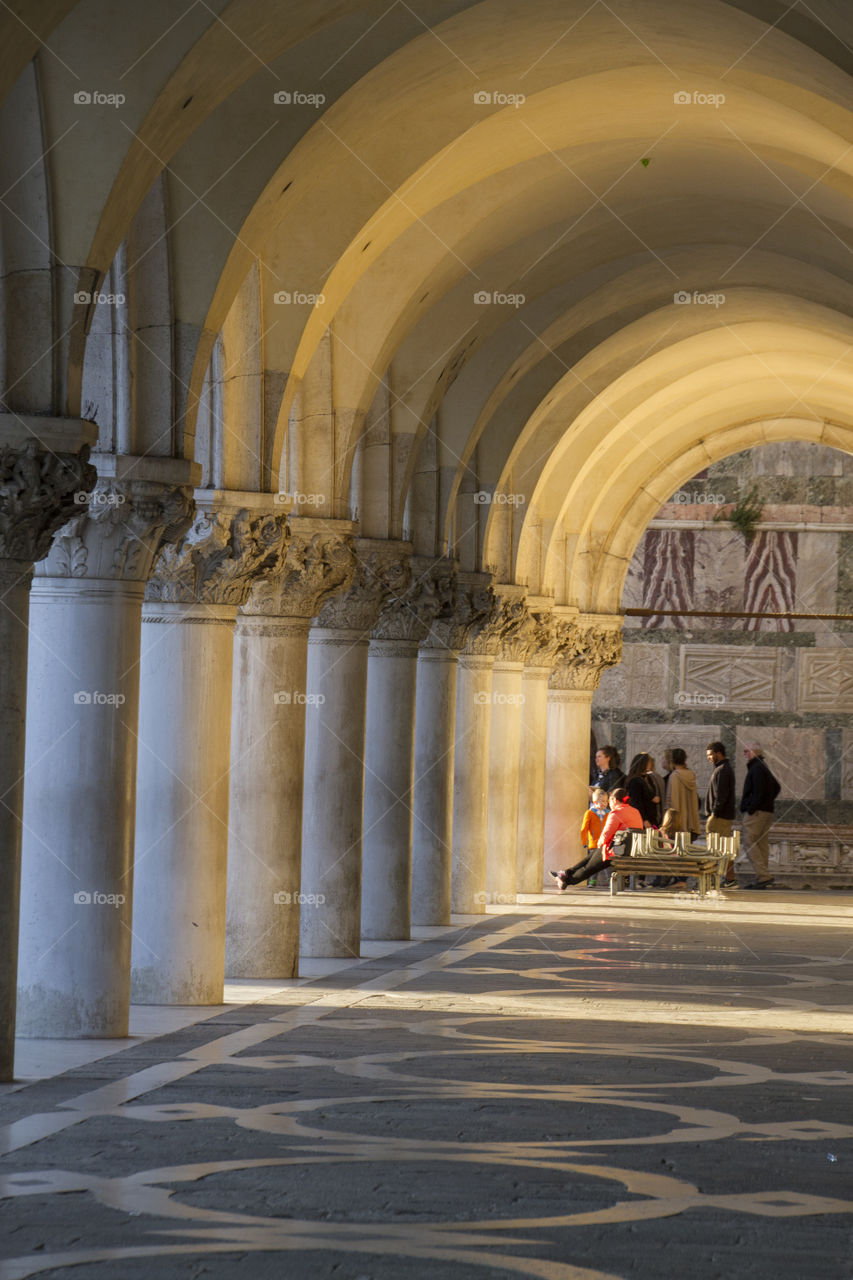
[588, 646]
[311, 568]
[118, 530]
[381, 574]
[509, 631]
[216, 561]
[471, 609]
[431, 592]
[39, 491]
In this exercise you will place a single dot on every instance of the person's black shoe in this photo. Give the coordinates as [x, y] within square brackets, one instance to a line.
[759, 884]
[562, 882]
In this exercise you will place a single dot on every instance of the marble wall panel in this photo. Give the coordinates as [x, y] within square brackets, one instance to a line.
[719, 567]
[825, 679]
[847, 764]
[729, 676]
[796, 756]
[817, 578]
[640, 679]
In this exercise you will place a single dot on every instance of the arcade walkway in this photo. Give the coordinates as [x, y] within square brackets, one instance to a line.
[562, 1090]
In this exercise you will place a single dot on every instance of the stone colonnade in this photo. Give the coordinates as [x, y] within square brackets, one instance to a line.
[265, 736]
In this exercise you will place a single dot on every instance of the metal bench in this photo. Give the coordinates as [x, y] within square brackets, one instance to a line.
[652, 855]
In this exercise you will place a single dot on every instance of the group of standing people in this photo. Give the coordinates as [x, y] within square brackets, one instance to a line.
[643, 798]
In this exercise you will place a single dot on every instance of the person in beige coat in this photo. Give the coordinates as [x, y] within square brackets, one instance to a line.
[682, 794]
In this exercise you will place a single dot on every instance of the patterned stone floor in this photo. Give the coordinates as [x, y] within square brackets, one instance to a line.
[577, 1089]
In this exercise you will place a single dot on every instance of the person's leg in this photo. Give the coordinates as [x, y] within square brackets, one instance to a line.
[757, 831]
[590, 865]
[722, 827]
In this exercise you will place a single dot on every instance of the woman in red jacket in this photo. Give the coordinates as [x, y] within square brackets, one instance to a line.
[623, 816]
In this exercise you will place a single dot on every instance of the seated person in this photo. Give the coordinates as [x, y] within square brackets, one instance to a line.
[623, 816]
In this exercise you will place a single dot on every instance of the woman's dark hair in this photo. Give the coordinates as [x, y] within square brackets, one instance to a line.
[679, 755]
[619, 794]
[639, 765]
[612, 756]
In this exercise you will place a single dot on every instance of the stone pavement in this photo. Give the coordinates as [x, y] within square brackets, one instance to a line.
[574, 1088]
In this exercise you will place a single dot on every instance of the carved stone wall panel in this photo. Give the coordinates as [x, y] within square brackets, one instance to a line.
[734, 677]
[825, 680]
[796, 756]
[655, 738]
[640, 680]
[815, 856]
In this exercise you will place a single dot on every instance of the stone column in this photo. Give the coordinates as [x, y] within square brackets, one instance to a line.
[390, 748]
[435, 727]
[518, 635]
[184, 745]
[473, 811]
[268, 748]
[532, 765]
[531, 779]
[332, 809]
[43, 468]
[80, 793]
[589, 644]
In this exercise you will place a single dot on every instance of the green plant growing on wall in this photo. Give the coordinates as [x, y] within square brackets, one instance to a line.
[744, 515]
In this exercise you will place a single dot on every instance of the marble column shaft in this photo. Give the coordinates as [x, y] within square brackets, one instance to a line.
[531, 779]
[432, 828]
[43, 468]
[185, 745]
[390, 747]
[80, 795]
[270, 706]
[333, 806]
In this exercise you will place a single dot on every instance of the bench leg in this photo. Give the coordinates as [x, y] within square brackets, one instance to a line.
[614, 883]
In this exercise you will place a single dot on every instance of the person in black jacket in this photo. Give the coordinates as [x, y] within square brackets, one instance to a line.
[760, 790]
[720, 799]
[640, 788]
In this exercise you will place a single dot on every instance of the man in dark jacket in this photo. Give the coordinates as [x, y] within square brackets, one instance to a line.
[760, 790]
[720, 799]
[720, 796]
